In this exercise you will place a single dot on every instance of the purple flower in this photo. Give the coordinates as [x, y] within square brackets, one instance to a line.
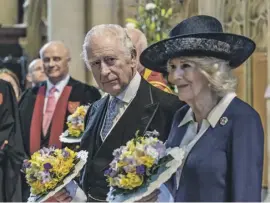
[110, 172]
[45, 177]
[47, 166]
[26, 164]
[140, 169]
[65, 154]
[129, 160]
[107, 172]
[161, 149]
[47, 151]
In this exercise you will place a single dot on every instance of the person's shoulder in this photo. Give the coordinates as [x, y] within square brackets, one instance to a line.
[80, 85]
[180, 113]
[4, 85]
[167, 100]
[239, 108]
[3, 82]
[30, 93]
[162, 95]
[97, 103]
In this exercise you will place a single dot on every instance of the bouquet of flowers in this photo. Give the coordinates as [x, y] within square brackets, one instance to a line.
[140, 167]
[75, 123]
[49, 170]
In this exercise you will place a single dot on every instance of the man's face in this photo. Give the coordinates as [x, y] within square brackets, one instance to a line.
[37, 72]
[112, 66]
[55, 58]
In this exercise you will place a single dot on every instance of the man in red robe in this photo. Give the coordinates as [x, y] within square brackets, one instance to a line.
[44, 109]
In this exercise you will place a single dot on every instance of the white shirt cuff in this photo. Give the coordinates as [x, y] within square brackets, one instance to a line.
[76, 192]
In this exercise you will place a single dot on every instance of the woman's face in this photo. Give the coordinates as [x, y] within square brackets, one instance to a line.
[185, 74]
[13, 83]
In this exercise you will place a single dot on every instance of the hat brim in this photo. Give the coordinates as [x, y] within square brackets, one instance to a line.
[230, 47]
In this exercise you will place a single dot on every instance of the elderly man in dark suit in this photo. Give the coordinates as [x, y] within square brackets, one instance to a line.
[131, 104]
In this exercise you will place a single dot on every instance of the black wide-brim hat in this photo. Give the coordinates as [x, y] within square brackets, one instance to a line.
[198, 36]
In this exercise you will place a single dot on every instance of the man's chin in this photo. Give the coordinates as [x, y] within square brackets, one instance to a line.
[113, 90]
[55, 78]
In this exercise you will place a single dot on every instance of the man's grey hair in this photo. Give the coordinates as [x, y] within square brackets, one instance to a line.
[116, 32]
[57, 43]
[217, 72]
[138, 38]
[32, 64]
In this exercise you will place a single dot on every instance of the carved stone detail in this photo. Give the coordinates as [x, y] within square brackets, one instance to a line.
[184, 10]
[257, 22]
[234, 16]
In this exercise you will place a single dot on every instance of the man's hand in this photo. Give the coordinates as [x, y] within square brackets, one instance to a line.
[153, 197]
[61, 196]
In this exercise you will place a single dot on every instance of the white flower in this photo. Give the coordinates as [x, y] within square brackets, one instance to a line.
[150, 6]
[130, 25]
[140, 147]
[152, 152]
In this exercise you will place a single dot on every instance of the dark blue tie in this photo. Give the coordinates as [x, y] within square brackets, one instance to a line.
[112, 111]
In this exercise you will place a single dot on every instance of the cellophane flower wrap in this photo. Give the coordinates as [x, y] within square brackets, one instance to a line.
[135, 163]
[75, 121]
[47, 168]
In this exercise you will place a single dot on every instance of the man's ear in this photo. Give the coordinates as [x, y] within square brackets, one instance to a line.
[29, 78]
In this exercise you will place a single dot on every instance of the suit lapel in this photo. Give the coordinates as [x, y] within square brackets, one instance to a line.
[126, 127]
[176, 136]
[91, 134]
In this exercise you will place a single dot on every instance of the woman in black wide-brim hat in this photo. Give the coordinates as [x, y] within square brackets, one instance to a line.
[221, 134]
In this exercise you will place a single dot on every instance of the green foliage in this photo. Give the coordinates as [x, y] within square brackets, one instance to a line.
[153, 19]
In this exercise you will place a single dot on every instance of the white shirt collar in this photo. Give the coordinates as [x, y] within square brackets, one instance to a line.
[60, 85]
[215, 114]
[131, 90]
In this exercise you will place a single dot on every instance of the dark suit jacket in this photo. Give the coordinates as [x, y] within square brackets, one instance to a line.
[81, 94]
[12, 154]
[226, 163]
[151, 109]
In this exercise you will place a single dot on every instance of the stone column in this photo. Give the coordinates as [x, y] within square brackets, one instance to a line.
[104, 11]
[9, 12]
[66, 22]
[268, 99]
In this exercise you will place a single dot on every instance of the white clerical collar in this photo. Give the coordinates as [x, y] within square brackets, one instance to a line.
[215, 114]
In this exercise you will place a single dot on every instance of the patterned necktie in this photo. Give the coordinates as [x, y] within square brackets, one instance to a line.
[51, 103]
[112, 111]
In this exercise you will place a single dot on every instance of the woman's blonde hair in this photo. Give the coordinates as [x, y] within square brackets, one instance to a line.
[217, 72]
[14, 77]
